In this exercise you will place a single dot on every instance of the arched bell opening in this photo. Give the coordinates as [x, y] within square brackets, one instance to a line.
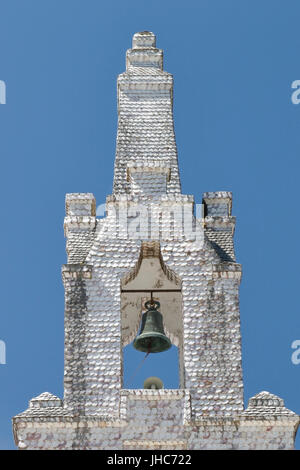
[151, 279]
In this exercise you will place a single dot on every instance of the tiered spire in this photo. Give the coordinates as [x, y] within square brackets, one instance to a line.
[146, 154]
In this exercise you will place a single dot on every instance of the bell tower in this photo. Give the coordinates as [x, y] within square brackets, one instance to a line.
[154, 250]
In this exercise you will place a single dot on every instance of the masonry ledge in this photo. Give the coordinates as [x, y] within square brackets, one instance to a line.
[75, 271]
[148, 394]
[220, 220]
[163, 79]
[70, 421]
[145, 167]
[165, 198]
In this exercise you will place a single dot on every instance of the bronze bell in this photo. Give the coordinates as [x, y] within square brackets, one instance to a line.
[152, 338]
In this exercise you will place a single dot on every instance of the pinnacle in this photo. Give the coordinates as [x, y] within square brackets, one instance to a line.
[143, 40]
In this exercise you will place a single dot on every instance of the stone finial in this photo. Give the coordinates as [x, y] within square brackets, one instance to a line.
[80, 212]
[266, 404]
[80, 204]
[143, 40]
[265, 399]
[218, 203]
[143, 54]
[45, 400]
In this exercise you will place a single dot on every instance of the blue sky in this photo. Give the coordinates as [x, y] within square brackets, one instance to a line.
[236, 129]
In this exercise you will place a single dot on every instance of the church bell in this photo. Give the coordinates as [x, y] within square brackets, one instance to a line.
[152, 338]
